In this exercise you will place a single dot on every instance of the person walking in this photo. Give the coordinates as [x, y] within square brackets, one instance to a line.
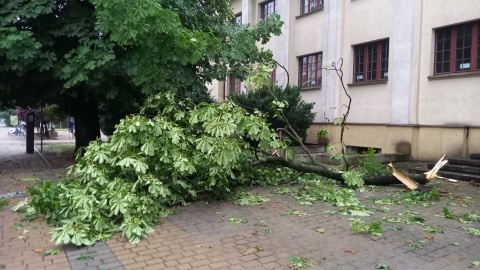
[71, 127]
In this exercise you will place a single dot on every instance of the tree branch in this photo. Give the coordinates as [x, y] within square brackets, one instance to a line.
[318, 169]
[283, 67]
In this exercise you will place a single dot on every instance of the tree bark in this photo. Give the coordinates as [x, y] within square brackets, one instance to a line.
[87, 121]
[321, 170]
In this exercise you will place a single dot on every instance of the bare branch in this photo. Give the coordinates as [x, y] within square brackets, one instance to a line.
[338, 69]
[283, 67]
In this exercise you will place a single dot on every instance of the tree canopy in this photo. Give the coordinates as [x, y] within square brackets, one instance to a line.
[112, 54]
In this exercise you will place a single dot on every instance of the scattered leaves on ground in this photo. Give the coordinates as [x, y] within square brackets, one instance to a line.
[247, 199]
[235, 221]
[394, 228]
[49, 252]
[359, 226]
[30, 179]
[415, 245]
[472, 231]
[432, 229]
[88, 256]
[283, 191]
[298, 262]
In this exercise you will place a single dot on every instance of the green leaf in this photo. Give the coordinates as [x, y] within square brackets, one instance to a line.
[322, 133]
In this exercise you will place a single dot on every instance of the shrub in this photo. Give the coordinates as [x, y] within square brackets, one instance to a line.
[298, 113]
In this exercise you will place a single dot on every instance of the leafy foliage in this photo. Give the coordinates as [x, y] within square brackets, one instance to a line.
[297, 112]
[235, 220]
[432, 229]
[127, 183]
[359, 226]
[353, 179]
[369, 165]
[415, 245]
[328, 193]
[472, 231]
[298, 262]
[49, 252]
[3, 203]
[248, 199]
[416, 196]
[465, 218]
[98, 56]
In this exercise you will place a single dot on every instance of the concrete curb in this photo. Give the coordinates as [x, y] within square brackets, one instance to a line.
[49, 165]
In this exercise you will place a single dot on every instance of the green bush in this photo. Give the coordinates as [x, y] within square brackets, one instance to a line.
[298, 113]
[6, 115]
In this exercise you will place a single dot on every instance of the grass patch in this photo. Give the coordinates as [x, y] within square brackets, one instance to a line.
[62, 148]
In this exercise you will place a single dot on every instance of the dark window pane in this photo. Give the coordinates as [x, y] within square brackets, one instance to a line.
[446, 67]
[463, 52]
[442, 50]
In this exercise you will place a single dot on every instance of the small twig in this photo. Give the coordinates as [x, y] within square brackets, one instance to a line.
[339, 72]
[293, 133]
[283, 67]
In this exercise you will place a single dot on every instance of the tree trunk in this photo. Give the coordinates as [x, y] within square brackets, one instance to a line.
[87, 123]
[321, 170]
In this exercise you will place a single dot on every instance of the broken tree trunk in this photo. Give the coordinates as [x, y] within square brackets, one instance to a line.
[322, 170]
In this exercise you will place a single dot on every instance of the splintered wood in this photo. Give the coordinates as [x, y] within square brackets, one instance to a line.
[433, 172]
[407, 181]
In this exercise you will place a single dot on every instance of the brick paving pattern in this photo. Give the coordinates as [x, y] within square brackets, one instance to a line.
[201, 236]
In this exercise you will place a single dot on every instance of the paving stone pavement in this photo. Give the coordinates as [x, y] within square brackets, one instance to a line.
[201, 236]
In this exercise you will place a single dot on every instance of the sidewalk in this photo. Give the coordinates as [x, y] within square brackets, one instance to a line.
[202, 237]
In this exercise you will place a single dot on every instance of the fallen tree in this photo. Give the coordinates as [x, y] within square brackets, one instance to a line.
[153, 161]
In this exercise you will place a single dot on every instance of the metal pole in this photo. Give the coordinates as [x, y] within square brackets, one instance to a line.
[41, 128]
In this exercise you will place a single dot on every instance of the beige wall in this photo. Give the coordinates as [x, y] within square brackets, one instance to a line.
[454, 100]
[237, 6]
[438, 116]
[422, 142]
[366, 21]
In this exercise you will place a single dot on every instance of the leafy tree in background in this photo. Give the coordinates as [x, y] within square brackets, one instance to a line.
[51, 53]
[297, 112]
[88, 56]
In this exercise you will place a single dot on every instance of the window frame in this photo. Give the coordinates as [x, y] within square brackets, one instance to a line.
[235, 85]
[303, 4]
[361, 59]
[263, 9]
[452, 50]
[273, 76]
[236, 18]
[318, 71]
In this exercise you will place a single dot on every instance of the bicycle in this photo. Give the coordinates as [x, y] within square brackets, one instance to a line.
[18, 130]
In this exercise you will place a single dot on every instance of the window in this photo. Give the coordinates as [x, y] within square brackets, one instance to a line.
[371, 61]
[268, 8]
[457, 48]
[310, 71]
[273, 76]
[235, 86]
[237, 19]
[308, 6]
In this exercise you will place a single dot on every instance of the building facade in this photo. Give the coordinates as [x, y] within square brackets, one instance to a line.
[412, 68]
